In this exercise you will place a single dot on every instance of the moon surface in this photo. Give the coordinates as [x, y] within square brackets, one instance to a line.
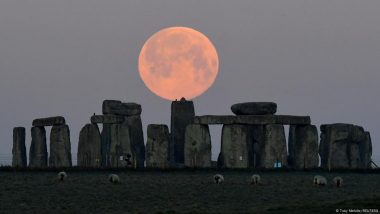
[178, 62]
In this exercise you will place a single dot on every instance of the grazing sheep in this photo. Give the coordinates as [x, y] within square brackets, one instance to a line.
[255, 179]
[218, 178]
[338, 181]
[62, 176]
[113, 178]
[319, 180]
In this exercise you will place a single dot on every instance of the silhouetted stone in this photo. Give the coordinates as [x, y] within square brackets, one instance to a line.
[121, 153]
[60, 147]
[106, 144]
[107, 119]
[18, 149]
[234, 149]
[89, 146]
[157, 146]
[182, 114]
[344, 146]
[38, 150]
[255, 142]
[252, 119]
[49, 121]
[303, 147]
[272, 151]
[197, 146]
[118, 108]
[254, 108]
[137, 138]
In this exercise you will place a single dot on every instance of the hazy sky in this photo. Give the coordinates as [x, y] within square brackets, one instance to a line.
[64, 57]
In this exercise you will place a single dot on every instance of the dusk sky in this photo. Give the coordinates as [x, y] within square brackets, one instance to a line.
[317, 58]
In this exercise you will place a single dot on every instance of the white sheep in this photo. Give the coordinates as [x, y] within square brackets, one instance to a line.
[62, 176]
[113, 178]
[255, 179]
[319, 180]
[338, 181]
[218, 178]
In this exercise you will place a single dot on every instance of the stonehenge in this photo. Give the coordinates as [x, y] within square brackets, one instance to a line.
[254, 137]
[60, 146]
[89, 146]
[254, 108]
[234, 148]
[182, 114]
[38, 156]
[344, 146]
[18, 149]
[303, 147]
[157, 146]
[197, 146]
[121, 116]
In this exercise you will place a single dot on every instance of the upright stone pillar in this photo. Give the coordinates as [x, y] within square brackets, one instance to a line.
[38, 150]
[344, 146]
[137, 138]
[234, 149]
[121, 151]
[106, 144]
[89, 146]
[157, 146]
[303, 147]
[182, 114]
[19, 150]
[273, 152]
[197, 146]
[60, 146]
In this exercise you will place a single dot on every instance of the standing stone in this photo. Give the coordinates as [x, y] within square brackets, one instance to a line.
[255, 142]
[137, 138]
[344, 146]
[234, 149]
[19, 150]
[303, 147]
[272, 151]
[89, 146]
[121, 152]
[254, 108]
[197, 146]
[106, 144]
[366, 151]
[60, 147]
[182, 114]
[157, 146]
[38, 150]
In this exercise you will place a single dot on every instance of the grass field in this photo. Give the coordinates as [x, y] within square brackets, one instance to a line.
[184, 191]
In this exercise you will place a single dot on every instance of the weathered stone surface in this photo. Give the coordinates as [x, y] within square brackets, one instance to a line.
[137, 138]
[234, 149]
[344, 146]
[121, 153]
[106, 144]
[60, 147]
[252, 119]
[303, 147]
[254, 108]
[272, 152]
[197, 146]
[256, 141]
[38, 150]
[49, 121]
[118, 108]
[182, 114]
[107, 119]
[18, 149]
[157, 146]
[89, 146]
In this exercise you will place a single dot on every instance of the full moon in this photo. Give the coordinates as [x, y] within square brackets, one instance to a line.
[178, 62]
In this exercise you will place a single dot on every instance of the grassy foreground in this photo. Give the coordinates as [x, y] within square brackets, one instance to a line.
[184, 191]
